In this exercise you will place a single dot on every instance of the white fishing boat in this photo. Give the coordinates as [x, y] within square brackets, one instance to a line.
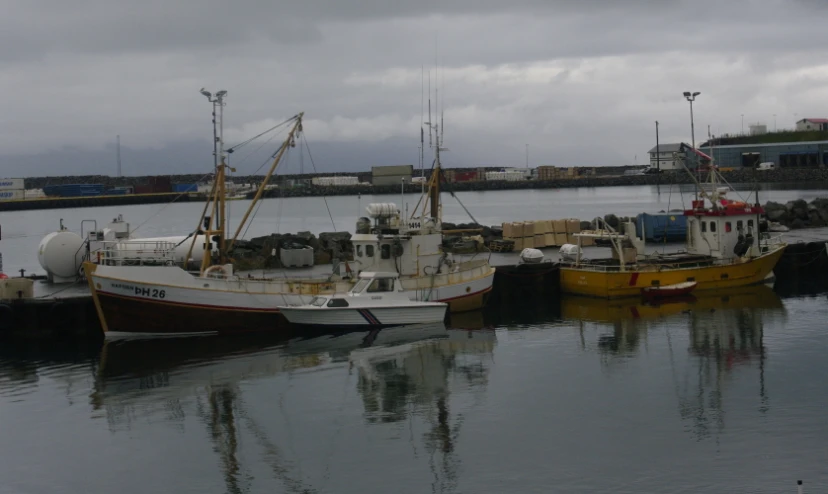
[156, 296]
[377, 300]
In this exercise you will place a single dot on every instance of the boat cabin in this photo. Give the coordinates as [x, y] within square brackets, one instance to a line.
[371, 285]
[392, 244]
[729, 229]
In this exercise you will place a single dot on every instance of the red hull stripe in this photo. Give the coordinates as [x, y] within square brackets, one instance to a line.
[466, 295]
[249, 309]
[633, 279]
[369, 316]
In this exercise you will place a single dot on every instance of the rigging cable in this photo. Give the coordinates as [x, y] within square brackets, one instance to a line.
[450, 191]
[333, 224]
[179, 196]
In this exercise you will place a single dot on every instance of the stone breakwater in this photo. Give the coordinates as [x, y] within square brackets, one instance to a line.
[264, 252]
[781, 175]
[799, 213]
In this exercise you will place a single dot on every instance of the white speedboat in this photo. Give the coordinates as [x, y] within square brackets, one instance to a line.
[377, 300]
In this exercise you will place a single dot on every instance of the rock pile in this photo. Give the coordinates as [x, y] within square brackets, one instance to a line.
[263, 252]
[799, 213]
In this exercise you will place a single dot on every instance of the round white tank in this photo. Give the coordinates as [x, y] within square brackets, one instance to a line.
[382, 210]
[61, 253]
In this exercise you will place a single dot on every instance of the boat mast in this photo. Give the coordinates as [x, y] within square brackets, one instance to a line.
[434, 186]
[290, 141]
[216, 196]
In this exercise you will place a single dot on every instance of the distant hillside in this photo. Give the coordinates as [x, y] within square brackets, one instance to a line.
[770, 138]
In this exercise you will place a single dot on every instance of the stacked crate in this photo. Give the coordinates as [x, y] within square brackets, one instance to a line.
[514, 232]
[549, 172]
[559, 231]
[528, 234]
[540, 234]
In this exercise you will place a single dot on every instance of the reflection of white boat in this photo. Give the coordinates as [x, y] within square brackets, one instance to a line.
[376, 300]
[180, 366]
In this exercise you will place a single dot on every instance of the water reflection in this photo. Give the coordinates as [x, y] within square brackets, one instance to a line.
[631, 319]
[393, 380]
[723, 331]
[400, 373]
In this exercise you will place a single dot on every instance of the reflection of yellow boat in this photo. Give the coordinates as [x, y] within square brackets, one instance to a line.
[614, 310]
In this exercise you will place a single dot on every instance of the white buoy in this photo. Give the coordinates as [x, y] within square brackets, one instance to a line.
[531, 256]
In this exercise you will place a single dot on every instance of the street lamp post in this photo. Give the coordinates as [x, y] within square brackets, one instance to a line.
[743, 124]
[691, 97]
[527, 156]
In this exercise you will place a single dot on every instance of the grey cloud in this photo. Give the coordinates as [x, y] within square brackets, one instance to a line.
[581, 82]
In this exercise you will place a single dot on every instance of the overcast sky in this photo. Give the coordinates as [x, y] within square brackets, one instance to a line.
[582, 82]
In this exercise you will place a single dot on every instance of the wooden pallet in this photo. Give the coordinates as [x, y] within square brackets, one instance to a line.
[502, 245]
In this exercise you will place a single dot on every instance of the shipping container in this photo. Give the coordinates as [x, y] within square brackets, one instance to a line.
[12, 195]
[466, 176]
[379, 171]
[662, 227]
[11, 184]
[73, 190]
[185, 188]
[143, 189]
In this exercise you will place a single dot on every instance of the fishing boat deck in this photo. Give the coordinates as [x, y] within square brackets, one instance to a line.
[44, 290]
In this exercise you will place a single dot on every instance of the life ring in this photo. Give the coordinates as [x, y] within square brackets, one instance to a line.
[736, 205]
[216, 271]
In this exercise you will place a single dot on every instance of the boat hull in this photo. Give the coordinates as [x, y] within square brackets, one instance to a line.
[629, 283]
[129, 300]
[131, 316]
[364, 317]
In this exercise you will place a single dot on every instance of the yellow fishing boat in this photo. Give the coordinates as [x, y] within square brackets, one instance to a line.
[724, 249]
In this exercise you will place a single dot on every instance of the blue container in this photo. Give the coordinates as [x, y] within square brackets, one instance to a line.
[73, 190]
[185, 188]
[661, 227]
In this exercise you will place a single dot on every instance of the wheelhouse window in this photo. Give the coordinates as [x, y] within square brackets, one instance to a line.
[385, 251]
[381, 285]
[369, 251]
[337, 302]
[750, 224]
[713, 226]
[727, 227]
[703, 226]
[359, 250]
[739, 225]
[318, 301]
[360, 286]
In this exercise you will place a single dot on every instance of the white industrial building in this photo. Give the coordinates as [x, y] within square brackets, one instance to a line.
[812, 124]
[669, 156]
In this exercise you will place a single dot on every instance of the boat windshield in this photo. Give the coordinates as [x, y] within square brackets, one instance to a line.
[381, 285]
[318, 301]
[360, 285]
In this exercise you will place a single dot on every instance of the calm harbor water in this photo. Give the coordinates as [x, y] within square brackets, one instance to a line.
[717, 393]
[724, 393]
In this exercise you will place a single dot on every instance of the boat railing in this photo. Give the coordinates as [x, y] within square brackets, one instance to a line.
[649, 266]
[135, 253]
[768, 238]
